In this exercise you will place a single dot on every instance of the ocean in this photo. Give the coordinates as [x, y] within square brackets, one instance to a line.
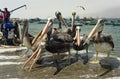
[35, 28]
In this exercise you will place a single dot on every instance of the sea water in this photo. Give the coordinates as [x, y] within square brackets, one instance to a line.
[35, 28]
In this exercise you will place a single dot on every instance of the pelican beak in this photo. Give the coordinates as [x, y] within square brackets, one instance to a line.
[78, 35]
[46, 28]
[59, 17]
[39, 37]
[98, 27]
[33, 56]
[25, 26]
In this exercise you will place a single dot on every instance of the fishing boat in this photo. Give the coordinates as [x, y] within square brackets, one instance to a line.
[76, 24]
[116, 24]
[11, 46]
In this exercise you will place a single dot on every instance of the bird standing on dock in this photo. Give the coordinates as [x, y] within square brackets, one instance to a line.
[102, 43]
[36, 44]
[80, 46]
[27, 38]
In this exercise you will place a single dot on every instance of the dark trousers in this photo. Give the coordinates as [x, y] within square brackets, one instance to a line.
[10, 42]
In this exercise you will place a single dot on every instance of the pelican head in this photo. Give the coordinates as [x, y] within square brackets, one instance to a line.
[78, 28]
[73, 13]
[98, 28]
[59, 17]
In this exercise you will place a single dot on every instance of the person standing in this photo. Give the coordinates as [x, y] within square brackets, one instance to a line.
[6, 15]
[10, 37]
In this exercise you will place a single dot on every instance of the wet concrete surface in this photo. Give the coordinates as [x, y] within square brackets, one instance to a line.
[46, 69]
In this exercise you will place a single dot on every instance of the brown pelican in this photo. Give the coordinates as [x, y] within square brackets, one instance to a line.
[80, 45]
[102, 43]
[26, 37]
[36, 43]
[74, 31]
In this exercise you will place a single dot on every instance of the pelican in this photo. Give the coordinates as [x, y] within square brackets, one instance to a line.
[36, 43]
[27, 38]
[72, 29]
[102, 43]
[80, 45]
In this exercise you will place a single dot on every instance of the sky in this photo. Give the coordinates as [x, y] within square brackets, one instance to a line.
[47, 8]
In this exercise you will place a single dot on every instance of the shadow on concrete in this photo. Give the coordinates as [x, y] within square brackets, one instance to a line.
[109, 64]
[48, 61]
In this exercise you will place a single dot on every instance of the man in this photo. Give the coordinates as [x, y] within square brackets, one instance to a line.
[10, 37]
[6, 15]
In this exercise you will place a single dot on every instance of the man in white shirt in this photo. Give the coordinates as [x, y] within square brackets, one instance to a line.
[10, 37]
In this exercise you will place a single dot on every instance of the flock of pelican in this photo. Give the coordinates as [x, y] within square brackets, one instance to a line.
[56, 40]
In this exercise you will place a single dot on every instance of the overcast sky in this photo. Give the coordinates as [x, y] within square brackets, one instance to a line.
[47, 8]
